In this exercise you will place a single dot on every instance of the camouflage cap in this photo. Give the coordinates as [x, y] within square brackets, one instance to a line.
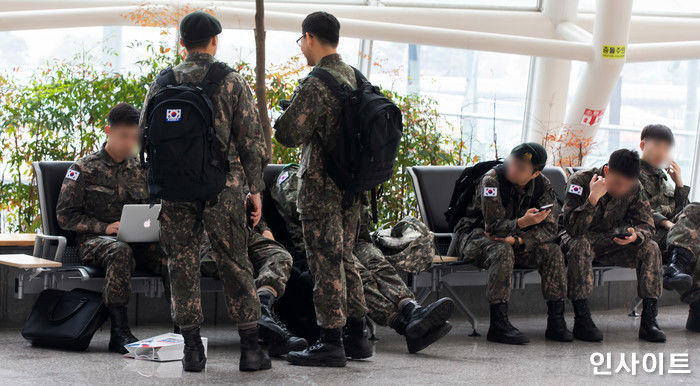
[198, 27]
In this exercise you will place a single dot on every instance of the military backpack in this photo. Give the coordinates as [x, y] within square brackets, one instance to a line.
[180, 151]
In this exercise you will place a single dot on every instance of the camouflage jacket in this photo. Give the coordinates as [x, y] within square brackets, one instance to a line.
[610, 215]
[94, 191]
[486, 212]
[313, 121]
[235, 118]
[665, 200]
[284, 194]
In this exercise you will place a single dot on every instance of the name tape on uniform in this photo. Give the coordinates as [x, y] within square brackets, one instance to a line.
[613, 52]
[575, 189]
[490, 192]
[72, 174]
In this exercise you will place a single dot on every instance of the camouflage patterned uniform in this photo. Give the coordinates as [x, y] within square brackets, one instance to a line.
[235, 113]
[271, 262]
[685, 234]
[589, 231]
[666, 201]
[486, 213]
[329, 224]
[92, 196]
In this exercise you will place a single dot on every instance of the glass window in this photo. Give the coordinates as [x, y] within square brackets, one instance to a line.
[475, 91]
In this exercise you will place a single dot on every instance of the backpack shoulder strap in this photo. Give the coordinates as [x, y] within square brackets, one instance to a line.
[329, 80]
[504, 184]
[214, 76]
[359, 77]
[166, 77]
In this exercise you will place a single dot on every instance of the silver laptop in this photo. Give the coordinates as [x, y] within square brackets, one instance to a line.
[139, 224]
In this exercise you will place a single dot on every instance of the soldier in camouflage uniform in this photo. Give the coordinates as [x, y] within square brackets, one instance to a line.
[235, 121]
[497, 234]
[607, 219]
[675, 217]
[389, 301]
[93, 193]
[330, 216]
[272, 265]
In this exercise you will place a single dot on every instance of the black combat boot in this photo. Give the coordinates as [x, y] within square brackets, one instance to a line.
[328, 351]
[417, 344]
[356, 339]
[584, 328]
[648, 329]
[253, 358]
[120, 334]
[420, 320]
[675, 277]
[693, 323]
[500, 329]
[556, 325]
[194, 358]
[274, 332]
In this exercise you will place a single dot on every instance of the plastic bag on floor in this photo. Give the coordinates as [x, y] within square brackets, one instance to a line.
[160, 348]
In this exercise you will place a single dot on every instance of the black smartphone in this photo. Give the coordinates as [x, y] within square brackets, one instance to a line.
[545, 207]
[621, 235]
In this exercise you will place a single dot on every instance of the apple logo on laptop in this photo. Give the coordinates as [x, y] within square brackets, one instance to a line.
[147, 223]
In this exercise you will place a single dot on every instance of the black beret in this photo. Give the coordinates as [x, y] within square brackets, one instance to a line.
[532, 152]
[199, 27]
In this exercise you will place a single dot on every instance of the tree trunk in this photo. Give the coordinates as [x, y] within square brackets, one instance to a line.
[260, 91]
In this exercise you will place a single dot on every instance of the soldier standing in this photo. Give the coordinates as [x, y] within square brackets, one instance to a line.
[94, 191]
[239, 137]
[607, 219]
[389, 300]
[676, 229]
[512, 219]
[330, 217]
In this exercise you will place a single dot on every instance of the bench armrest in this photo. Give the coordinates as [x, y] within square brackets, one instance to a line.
[42, 243]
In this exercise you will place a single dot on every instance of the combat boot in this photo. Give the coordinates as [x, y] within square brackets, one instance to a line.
[648, 329]
[556, 325]
[356, 339]
[417, 344]
[194, 358]
[675, 277]
[500, 329]
[584, 328]
[693, 323]
[253, 358]
[328, 351]
[420, 320]
[119, 333]
[274, 332]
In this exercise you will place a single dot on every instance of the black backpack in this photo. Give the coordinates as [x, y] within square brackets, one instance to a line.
[364, 154]
[465, 189]
[183, 156]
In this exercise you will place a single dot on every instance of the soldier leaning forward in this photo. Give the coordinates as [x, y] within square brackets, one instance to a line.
[503, 226]
[608, 220]
[93, 193]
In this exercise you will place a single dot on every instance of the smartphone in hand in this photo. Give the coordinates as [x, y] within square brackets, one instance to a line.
[545, 207]
[621, 235]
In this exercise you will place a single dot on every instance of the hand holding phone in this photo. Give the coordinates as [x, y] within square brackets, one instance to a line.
[621, 235]
[545, 207]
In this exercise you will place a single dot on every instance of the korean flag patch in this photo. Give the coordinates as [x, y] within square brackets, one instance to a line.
[173, 115]
[72, 174]
[575, 189]
[283, 177]
[490, 192]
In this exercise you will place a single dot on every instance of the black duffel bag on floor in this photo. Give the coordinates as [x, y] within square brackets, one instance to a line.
[65, 319]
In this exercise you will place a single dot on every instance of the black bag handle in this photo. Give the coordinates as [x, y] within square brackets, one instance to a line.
[62, 318]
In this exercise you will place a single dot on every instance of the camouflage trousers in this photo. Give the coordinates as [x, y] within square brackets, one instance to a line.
[685, 234]
[271, 262]
[581, 252]
[383, 286]
[329, 240]
[181, 226]
[499, 259]
[119, 260]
